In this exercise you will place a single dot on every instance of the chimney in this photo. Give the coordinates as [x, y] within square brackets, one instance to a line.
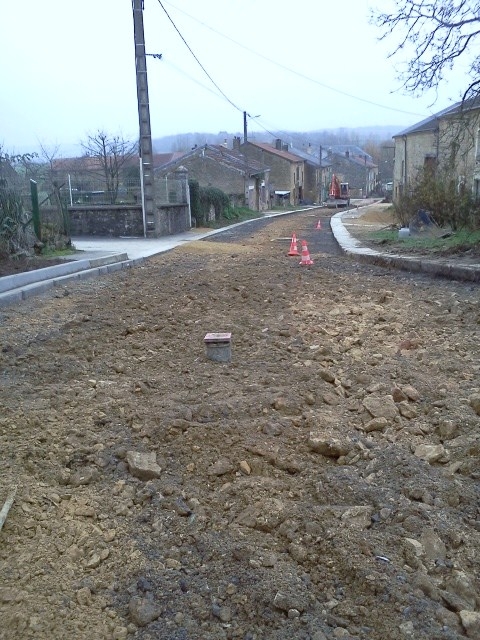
[347, 153]
[278, 144]
[236, 143]
[285, 147]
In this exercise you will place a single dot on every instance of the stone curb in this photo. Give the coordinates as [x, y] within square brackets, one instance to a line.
[353, 248]
[19, 280]
[60, 278]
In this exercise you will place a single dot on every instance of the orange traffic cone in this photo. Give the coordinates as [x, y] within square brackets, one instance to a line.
[306, 260]
[293, 246]
[319, 225]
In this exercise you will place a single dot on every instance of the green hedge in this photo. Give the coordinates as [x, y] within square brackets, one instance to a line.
[202, 198]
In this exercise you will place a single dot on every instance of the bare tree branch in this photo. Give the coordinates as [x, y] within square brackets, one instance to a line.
[111, 154]
[441, 32]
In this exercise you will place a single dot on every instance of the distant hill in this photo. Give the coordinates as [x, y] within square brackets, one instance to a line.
[324, 137]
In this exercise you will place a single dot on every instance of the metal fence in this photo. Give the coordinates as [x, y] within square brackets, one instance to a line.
[87, 190]
[92, 191]
[169, 191]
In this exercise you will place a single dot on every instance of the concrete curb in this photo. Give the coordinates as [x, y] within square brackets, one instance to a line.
[26, 278]
[26, 285]
[353, 248]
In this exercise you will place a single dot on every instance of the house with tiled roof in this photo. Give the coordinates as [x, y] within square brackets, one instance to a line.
[317, 174]
[242, 178]
[450, 138]
[352, 149]
[287, 170]
[353, 165]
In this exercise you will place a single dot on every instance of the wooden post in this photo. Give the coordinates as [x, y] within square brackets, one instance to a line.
[35, 209]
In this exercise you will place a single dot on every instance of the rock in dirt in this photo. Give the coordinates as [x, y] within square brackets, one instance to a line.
[471, 623]
[375, 424]
[143, 465]
[474, 402]
[431, 453]
[143, 611]
[287, 600]
[221, 467]
[381, 407]
[327, 446]
[460, 584]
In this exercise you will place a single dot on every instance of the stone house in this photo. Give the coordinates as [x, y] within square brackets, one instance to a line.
[243, 179]
[318, 174]
[287, 170]
[447, 141]
[353, 165]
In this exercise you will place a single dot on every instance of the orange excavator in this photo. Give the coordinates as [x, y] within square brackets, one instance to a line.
[338, 194]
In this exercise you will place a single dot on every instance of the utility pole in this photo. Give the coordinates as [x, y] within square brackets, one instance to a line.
[246, 180]
[145, 133]
[320, 190]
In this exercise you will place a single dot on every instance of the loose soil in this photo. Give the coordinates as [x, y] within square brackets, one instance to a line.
[10, 266]
[322, 484]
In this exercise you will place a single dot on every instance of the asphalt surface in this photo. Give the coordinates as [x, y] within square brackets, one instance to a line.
[97, 256]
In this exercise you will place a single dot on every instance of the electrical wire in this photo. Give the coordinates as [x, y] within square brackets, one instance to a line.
[292, 136]
[222, 93]
[191, 78]
[198, 61]
[296, 73]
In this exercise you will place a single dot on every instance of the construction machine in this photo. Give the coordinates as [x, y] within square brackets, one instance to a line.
[338, 194]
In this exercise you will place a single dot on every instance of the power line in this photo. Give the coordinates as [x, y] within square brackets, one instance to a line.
[191, 78]
[296, 73]
[198, 61]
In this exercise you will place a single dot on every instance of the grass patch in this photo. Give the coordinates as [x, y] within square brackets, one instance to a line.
[456, 242]
[291, 207]
[57, 253]
[233, 216]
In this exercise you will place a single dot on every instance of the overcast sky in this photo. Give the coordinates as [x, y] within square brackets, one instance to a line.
[68, 69]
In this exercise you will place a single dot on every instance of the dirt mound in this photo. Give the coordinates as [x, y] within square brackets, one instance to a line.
[322, 484]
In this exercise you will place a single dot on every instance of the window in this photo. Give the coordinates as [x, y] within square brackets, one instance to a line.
[430, 164]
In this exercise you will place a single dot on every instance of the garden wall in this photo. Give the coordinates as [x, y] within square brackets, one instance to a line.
[127, 220]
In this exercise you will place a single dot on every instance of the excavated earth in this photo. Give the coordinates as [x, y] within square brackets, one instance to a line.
[322, 484]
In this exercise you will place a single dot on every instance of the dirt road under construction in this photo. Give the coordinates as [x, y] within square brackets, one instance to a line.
[322, 484]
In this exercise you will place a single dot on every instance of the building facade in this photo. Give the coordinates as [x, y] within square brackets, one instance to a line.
[448, 142]
[242, 178]
[287, 170]
[358, 169]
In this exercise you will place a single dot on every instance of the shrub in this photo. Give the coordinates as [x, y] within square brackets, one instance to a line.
[195, 206]
[211, 196]
[442, 197]
[14, 222]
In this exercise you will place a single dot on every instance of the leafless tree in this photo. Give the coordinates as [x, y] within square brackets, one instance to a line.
[111, 155]
[441, 32]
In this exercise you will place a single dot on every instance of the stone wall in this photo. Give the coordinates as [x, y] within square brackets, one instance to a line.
[361, 178]
[127, 220]
[171, 219]
[106, 221]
